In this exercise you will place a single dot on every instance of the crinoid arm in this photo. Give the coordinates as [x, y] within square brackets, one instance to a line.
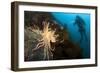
[38, 46]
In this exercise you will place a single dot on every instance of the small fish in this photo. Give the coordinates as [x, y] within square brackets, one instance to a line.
[81, 27]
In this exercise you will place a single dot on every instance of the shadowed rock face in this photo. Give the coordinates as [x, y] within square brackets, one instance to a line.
[36, 18]
[64, 47]
[67, 50]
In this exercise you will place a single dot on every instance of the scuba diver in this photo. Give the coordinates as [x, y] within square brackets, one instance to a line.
[81, 27]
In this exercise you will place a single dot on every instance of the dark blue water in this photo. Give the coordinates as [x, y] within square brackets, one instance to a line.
[68, 20]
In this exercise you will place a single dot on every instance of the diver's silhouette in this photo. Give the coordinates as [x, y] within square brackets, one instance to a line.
[81, 27]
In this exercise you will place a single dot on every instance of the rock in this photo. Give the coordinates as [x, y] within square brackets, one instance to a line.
[67, 50]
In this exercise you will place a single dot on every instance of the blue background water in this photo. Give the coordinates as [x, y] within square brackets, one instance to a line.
[68, 19]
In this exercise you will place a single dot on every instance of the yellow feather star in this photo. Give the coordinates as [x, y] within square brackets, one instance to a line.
[48, 36]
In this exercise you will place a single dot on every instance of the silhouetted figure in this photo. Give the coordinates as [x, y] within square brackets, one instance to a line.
[81, 27]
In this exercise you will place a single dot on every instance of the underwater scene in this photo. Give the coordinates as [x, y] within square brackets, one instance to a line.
[56, 36]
